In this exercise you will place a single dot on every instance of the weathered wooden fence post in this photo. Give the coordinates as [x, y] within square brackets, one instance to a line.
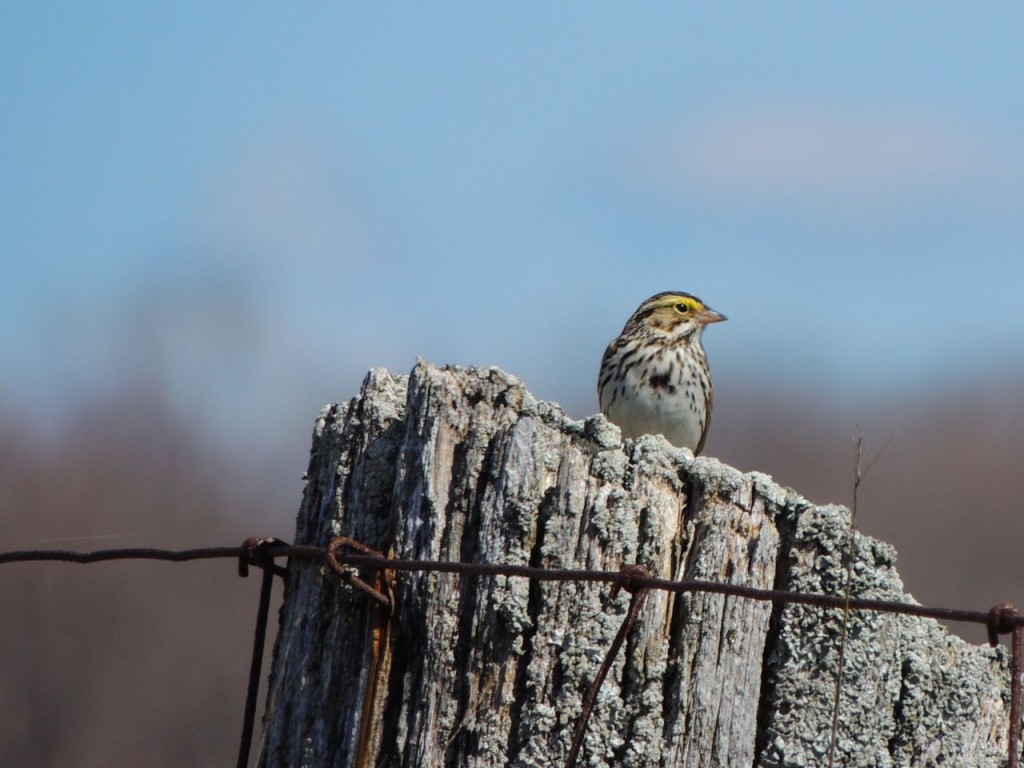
[465, 465]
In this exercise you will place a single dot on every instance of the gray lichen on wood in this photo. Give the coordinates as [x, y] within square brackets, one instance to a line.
[466, 465]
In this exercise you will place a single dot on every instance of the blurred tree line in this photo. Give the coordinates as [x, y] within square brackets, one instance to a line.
[146, 663]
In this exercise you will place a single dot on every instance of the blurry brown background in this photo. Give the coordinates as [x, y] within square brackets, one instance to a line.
[214, 220]
[145, 663]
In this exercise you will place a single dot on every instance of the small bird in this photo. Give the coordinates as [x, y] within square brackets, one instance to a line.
[654, 376]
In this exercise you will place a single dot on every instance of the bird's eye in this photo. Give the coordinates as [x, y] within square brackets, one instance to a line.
[684, 308]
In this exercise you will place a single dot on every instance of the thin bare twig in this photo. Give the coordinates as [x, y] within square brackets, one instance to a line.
[858, 477]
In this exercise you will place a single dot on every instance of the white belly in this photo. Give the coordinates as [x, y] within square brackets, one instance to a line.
[678, 414]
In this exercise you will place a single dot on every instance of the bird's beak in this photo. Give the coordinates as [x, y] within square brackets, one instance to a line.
[708, 316]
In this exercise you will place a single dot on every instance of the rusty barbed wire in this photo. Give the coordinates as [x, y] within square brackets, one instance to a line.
[262, 552]
[627, 580]
[257, 551]
[305, 551]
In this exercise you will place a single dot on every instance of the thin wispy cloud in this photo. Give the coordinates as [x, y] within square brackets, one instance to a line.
[824, 155]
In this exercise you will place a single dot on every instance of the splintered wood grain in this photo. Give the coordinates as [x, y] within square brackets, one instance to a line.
[465, 465]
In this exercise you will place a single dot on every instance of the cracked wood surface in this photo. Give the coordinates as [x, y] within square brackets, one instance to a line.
[464, 464]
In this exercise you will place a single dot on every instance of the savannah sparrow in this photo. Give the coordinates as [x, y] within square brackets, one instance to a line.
[655, 377]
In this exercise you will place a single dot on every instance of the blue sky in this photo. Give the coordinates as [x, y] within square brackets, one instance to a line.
[252, 206]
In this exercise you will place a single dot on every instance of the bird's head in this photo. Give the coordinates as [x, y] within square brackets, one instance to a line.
[675, 314]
